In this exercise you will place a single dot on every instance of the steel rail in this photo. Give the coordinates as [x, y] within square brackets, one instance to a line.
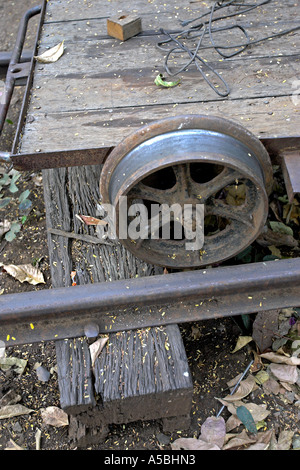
[149, 301]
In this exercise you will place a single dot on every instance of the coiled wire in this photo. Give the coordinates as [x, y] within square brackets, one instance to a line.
[177, 42]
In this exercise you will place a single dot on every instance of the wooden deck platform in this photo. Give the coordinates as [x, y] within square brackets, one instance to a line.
[97, 93]
[102, 89]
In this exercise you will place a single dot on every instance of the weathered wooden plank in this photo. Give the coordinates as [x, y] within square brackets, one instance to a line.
[58, 11]
[97, 263]
[82, 9]
[100, 90]
[265, 117]
[75, 376]
[153, 365]
[96, 29]
[133, 85]
[76, 191]
[58, 216]
[120, 80]
[86, 49]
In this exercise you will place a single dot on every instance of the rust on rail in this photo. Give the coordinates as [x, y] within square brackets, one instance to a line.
[144, 302]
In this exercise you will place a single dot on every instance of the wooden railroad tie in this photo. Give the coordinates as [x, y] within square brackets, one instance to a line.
[140, 375]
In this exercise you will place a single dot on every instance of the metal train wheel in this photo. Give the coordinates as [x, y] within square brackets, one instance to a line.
[190, 161]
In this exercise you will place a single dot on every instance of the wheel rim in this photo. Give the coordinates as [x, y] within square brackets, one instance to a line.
[196, 161]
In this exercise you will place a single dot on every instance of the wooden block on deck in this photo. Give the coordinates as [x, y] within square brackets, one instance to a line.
[124, 26]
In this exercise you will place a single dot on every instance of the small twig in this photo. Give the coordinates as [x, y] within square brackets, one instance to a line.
[77, 236]
[3, 245]
[236, 385]
[38, 436]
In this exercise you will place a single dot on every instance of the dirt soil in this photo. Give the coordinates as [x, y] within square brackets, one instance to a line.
[209, 344]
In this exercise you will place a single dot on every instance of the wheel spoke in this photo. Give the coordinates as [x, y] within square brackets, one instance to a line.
[151, 230]
[205, 190]
[241, 214]
[141, 191]
[182, 175]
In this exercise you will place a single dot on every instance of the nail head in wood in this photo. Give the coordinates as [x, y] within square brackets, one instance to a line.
[124, 26]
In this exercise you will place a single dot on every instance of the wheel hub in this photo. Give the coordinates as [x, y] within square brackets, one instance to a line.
[198, 165]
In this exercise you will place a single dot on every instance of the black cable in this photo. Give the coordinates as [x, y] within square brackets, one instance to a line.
[199, 30]
[193, 56]
[224, 5]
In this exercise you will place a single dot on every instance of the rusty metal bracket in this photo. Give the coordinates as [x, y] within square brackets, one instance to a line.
[149, 301]
[61, 159]
[19, 70]
[16, 68]
[5, 57]
[96, 156]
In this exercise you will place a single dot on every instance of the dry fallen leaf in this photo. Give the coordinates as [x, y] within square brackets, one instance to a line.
[25, 273]
[54, 416]
[258, 446]
[89, 220]
[19, 364]
[259, 412]
[271, 386]
[262, 441]
[38, 436]
[96, 348]
[265, 327]
[4, 227]
[9, 411]
[11, 445]
[241, 342]
[238, 441]
[285, 440]
[245, 387]
[10, 398]
[232, 423]
[268, 238]
[213, 431]
[284, 372]
[190, 443]
[280, 359]
[52, 55]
